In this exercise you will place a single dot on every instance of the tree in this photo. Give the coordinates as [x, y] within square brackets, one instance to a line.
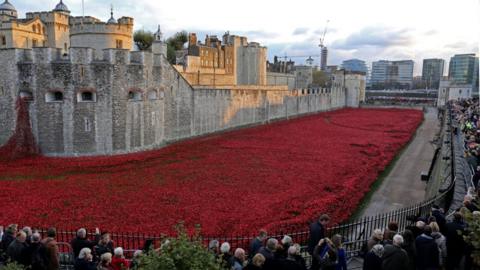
[180, 253]
[176, 43]
[143, 39]
[472, 234]
[320, 78]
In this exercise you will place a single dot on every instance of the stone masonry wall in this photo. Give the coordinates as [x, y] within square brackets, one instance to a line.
[140, 101]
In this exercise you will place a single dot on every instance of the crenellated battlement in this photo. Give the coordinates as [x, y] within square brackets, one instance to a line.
[84, 56]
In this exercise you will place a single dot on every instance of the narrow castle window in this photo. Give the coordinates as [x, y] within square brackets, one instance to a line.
[4, 40]
[88, 125]
[154, 119]
[87, 96]
[34, 43]
[34, 28]
[119, 44]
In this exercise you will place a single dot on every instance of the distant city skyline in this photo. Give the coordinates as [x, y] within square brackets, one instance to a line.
[369, 30]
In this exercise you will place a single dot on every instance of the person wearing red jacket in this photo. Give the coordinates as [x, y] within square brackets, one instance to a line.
[118, 261]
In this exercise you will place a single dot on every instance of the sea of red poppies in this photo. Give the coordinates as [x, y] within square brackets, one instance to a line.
[269, 176]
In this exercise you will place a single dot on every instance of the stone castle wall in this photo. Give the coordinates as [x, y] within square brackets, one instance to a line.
[140, 101]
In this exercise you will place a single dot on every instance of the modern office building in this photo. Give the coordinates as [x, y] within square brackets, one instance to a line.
[392, 74]
[355, 65]
[432, 72]
[462, 69]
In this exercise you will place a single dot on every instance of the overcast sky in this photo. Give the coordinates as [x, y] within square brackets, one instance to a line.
[369, 29]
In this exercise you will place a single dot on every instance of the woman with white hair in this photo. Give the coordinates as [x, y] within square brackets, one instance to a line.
[373, 259]
[85, 260]
[225, 255]
[118, 261]
[105, 262]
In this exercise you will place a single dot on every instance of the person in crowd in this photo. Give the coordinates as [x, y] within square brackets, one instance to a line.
[441, 242]
[7, 237]
[389, 232]
[325, 255]
[268, 251]
[373, 259]
[225, 255]
[134, 265]
[282, 249]
[298, 257]
[81, 241]
[257, 243]
[104, 245]
[213, 246]
[257, 262]
[28, 231]
[439, 215]
[409, 247]
[16, 249]
[290, 263]
[394, 256]
[317, 232]
[455, 243]
[35, 253]
[105, 262]
[238, 259]
[84, 260]
[51, 249]
[476, 177]
[417, 230]
[342, 255]
[375, 239]
[428, 257]
[468, 203]
[118, 261]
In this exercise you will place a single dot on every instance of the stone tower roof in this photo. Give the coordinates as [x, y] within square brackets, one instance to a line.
[61, 7]
[7, 6]
[112, 19]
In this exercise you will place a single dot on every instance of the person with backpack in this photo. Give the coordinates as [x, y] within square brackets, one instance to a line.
[325, 255]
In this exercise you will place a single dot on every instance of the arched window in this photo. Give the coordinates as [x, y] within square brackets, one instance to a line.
[34, 28]
[134, 95]
[39, 28]
[86, 96]
[54, 96]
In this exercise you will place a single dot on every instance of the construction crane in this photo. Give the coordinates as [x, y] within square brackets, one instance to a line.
[324, 50]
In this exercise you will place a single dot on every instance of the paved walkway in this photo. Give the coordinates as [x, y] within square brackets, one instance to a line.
[403, 187]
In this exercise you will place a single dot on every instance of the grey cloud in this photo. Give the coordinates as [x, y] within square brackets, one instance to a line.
[375, 37]
[300, 31]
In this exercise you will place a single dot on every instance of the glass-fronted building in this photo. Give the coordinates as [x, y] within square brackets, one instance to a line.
[432, 72]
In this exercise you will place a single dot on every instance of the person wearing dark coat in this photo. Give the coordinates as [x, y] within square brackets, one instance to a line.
[268, 252]
[105, 245]
[428, 255]
[257, 243]
[31, 253]
[317, 232]
[257, 263]
[394, 257]
[84, 261]
[439, 218]
[81, 241]
[373, 258]
[7, 238]
[409, 247]
[455, 243]
[16, 249]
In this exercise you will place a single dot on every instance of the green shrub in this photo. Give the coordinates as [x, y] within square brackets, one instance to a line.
[180, 253]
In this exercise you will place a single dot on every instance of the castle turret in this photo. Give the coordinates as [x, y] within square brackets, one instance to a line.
[61, 7]
[7, 11]
[158, 46]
